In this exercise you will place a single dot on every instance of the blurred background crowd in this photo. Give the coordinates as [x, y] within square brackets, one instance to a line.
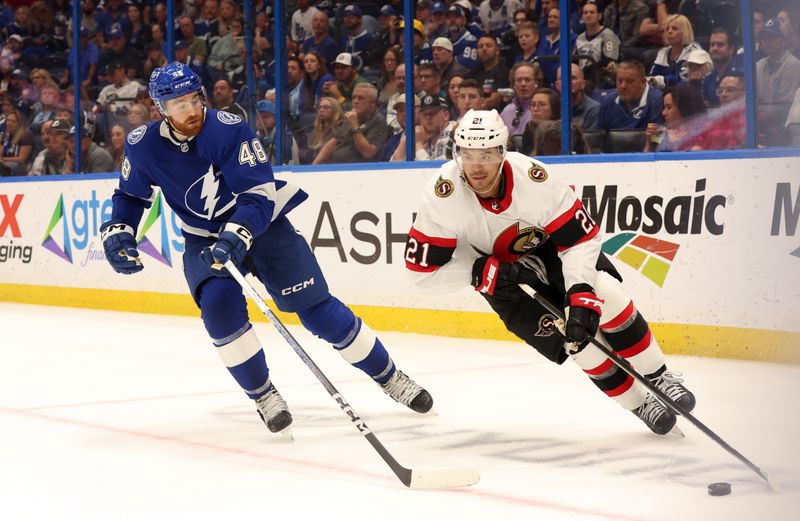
[646, 75]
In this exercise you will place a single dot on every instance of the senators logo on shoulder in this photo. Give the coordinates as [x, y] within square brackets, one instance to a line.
[537, 173]
[444, 188]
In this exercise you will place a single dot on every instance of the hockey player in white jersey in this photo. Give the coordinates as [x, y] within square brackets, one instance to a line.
[494, 219]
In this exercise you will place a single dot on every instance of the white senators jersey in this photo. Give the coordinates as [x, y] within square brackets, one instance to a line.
[454, 226]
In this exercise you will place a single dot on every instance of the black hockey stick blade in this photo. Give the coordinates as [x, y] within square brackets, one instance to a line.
[663, 398]
[412, 478]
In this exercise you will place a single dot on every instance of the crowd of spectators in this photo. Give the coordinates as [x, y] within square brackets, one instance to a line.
[646, 75]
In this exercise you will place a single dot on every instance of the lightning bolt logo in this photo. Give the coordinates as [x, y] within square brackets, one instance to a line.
[209, 191]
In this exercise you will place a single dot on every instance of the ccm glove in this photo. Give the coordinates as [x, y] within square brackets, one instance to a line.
[232, 245]
[120, 247]
[501, 279]
[583, 310]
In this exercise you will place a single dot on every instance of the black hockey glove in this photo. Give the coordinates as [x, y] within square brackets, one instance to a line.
[501, 279]
[232, 245]
[120, 247]
[583, 310]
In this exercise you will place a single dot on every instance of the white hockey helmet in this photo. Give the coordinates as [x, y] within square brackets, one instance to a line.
[481, 129]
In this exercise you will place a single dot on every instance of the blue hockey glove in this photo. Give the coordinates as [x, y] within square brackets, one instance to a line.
[120, 247]
[232, 245]
[583, 310]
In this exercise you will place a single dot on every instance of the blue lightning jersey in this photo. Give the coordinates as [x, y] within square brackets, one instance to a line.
[221, 175]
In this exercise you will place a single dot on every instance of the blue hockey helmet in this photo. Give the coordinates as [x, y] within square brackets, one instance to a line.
[172, 81]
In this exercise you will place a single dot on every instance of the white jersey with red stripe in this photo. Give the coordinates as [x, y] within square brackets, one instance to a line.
[454, 226]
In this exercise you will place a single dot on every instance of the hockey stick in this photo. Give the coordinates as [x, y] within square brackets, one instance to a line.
[412, 478]
[663, 398]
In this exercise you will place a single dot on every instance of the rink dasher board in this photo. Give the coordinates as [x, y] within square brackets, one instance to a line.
[708, 249]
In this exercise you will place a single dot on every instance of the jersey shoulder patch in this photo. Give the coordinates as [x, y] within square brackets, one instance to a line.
[228, 118]
[125, 170]
[537, 173]
[443, 187]
[136, 135]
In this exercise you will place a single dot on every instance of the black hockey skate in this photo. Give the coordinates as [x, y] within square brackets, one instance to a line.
[653, 413]
[671, 384]
[406, 391]
[273, 411]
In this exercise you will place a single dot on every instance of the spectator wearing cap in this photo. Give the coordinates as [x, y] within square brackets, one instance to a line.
[155, 58]
[207, 26]
[778, 74]
[395, 147]
[113, 13]
[722, 50]
[320, 40]
[90, 57]
[226, 55]
[347, 77]
[465, 44]
[433, 134]
[634, 104]
[356, 39]
[196, 46]
[698, 67]
[436, 25]
[120, 94]
[585, 110]
[364, 133]
[224, 99]
[302, 21]
[492, 74]
[266, 131]
[517, 114]
[50, 161]
[17, 146]
[12, 50]
[94, 158]
[445, 62]
[670, 65]
[549, 48]
[18, 90]
[117, 52]
[597, 48]
[422, 49]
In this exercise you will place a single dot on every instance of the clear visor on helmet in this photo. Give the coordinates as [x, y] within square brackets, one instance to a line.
[184, 106]
[479, 156]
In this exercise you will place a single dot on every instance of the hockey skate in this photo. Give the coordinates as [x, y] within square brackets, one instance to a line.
[273, 410]
[653, 413]
[671, 384]
[406, 391]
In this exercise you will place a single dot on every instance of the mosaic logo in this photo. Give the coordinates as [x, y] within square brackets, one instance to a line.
[156, 214]
[786, 213]
[651, 257]
[74, 227]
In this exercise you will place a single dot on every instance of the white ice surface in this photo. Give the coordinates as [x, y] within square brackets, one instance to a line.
[118, 416]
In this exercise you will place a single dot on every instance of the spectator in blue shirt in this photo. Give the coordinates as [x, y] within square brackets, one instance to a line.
[357, 39]
[549, 47]
[723, 54]
[320, 40]
[634, 103]
[465, 44]
[90, 56]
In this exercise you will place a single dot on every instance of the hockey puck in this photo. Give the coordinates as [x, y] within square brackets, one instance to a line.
[719, 489]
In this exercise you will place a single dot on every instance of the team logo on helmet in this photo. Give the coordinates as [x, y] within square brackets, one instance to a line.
[137, 134]
[228, 118]
[547, 325]
[125, 170]
[537, 173]
[444, 187]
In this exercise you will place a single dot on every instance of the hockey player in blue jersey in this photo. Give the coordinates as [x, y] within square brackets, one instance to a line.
[215, 175]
